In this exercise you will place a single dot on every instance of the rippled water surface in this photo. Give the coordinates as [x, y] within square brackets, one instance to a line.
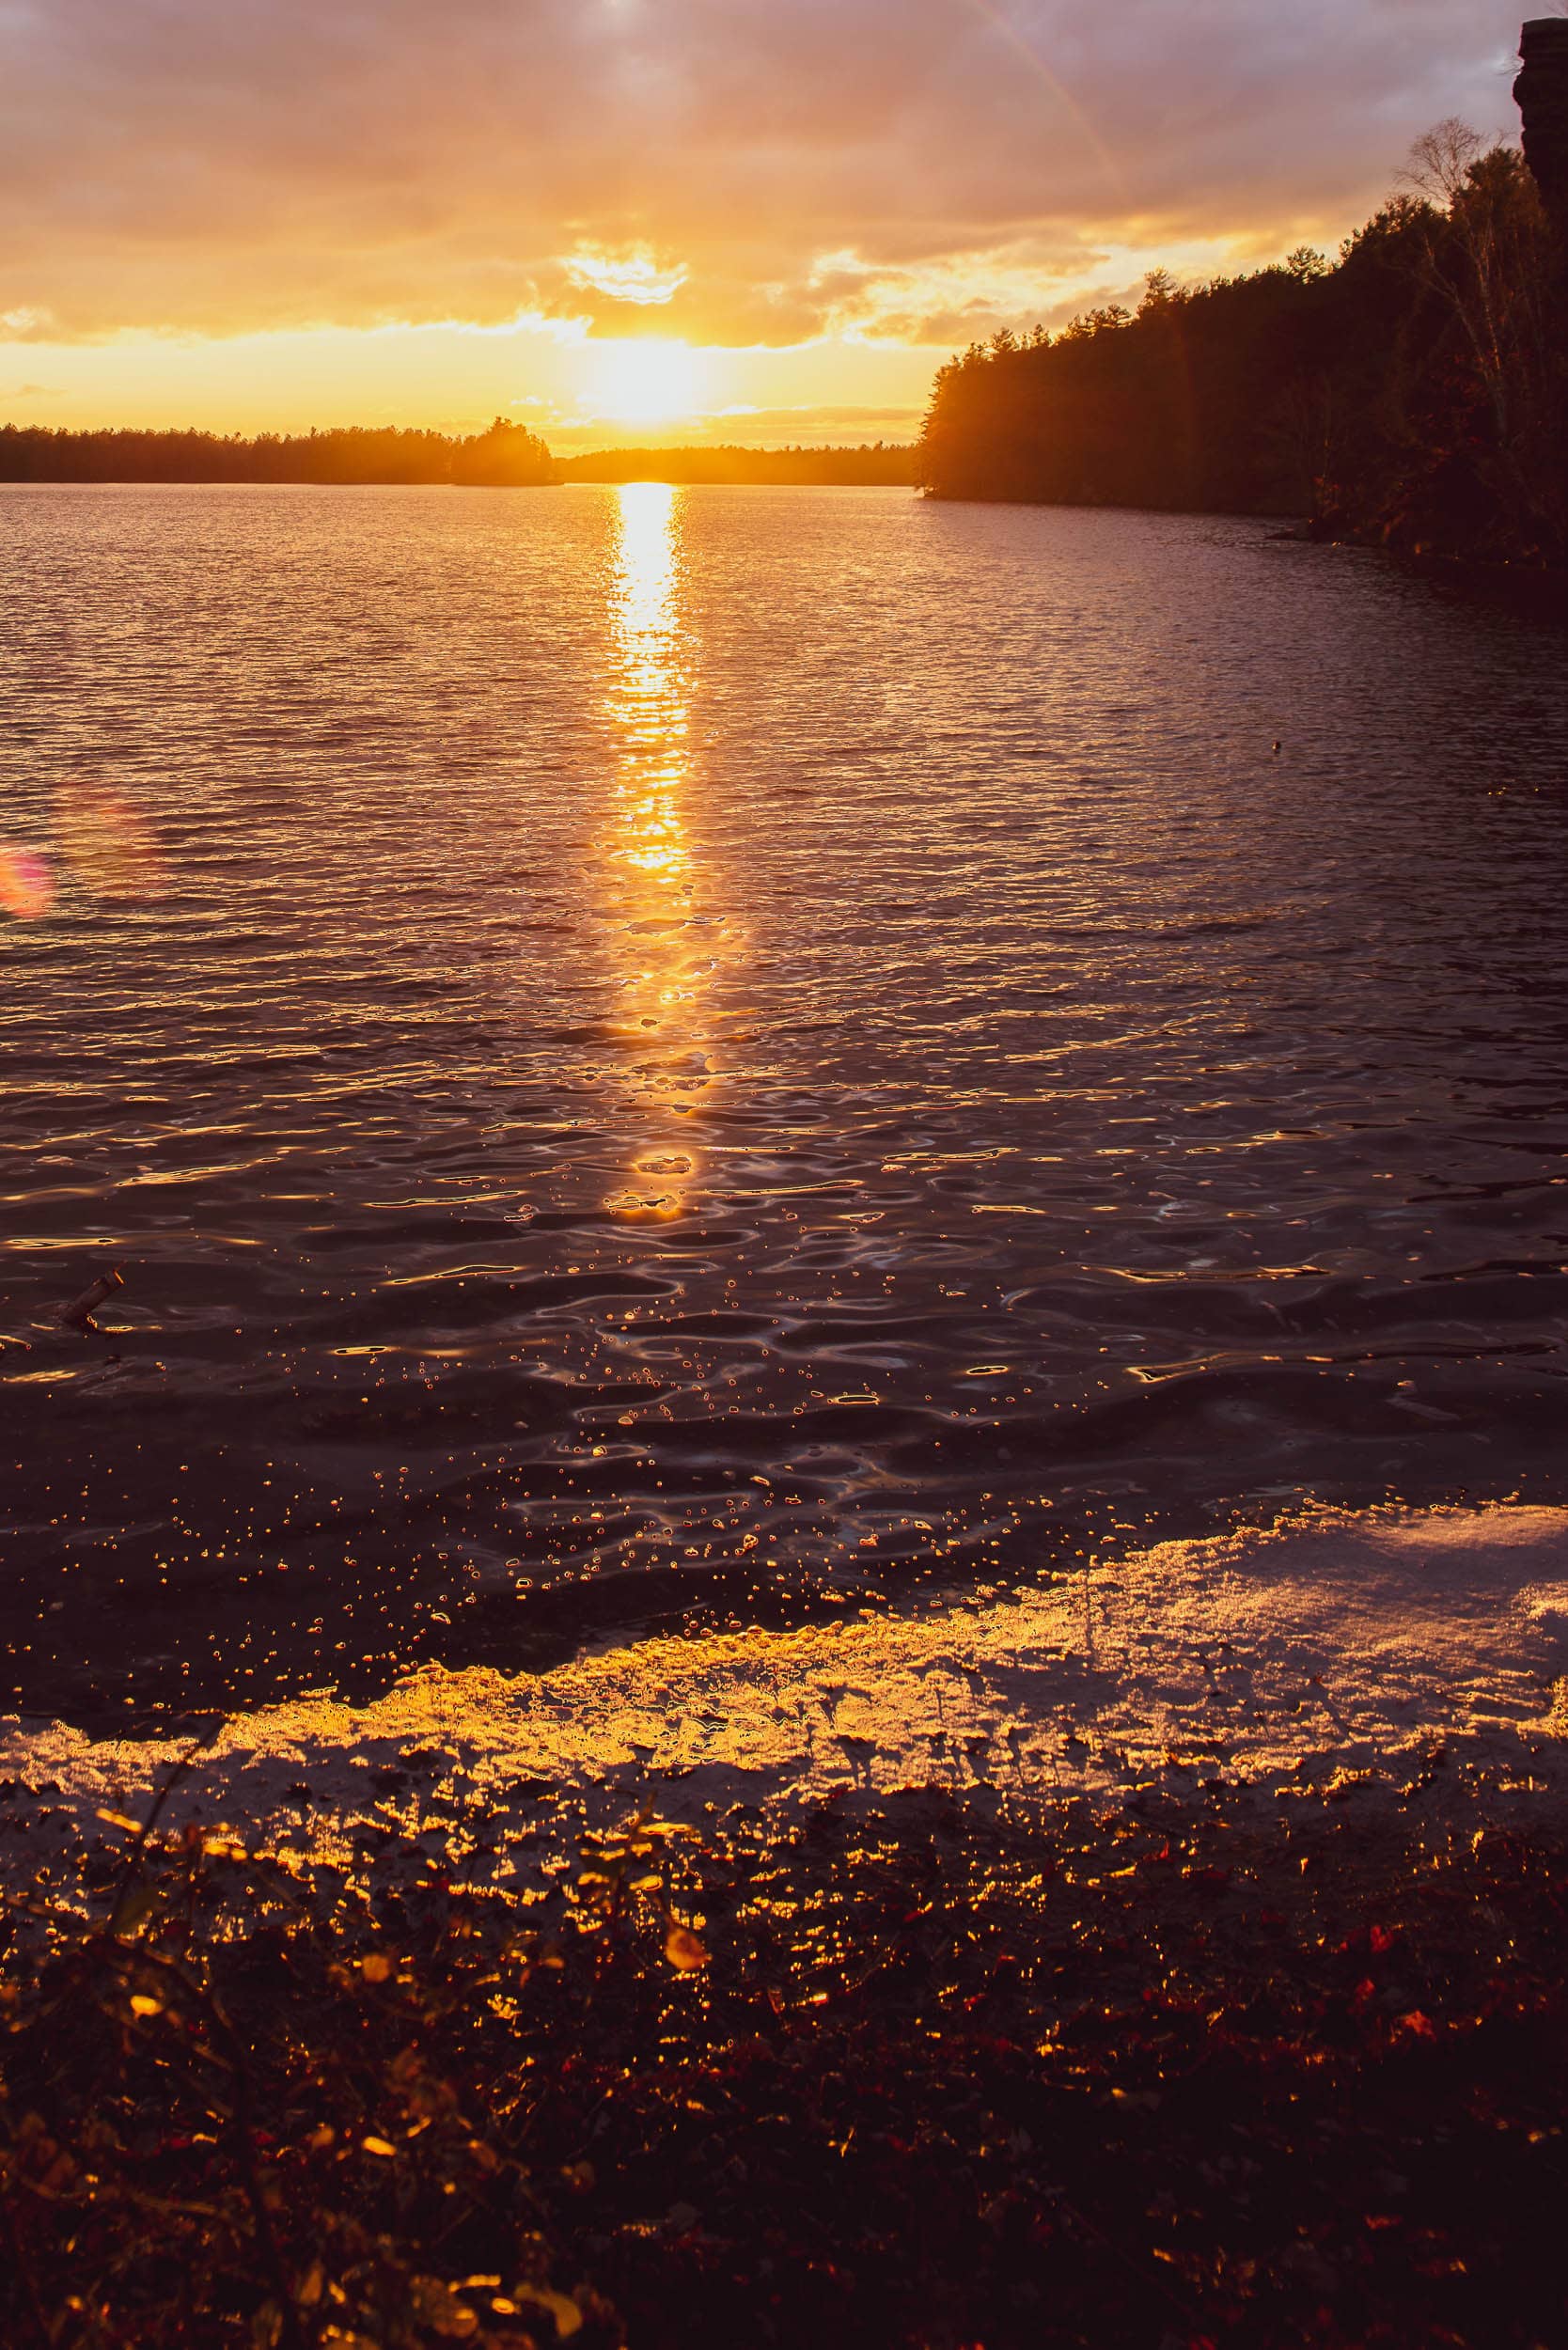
[647, 1050]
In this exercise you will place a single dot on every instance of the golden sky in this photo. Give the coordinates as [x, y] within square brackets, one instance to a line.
[757, 220]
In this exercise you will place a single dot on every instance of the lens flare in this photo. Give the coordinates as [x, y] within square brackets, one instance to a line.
[26, 884]
[1028, 55]
[106, 841]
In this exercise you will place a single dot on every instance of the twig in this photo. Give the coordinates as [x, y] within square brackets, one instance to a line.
[172, 1777]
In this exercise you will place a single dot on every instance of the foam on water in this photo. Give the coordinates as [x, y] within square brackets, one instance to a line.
[1341, 1651]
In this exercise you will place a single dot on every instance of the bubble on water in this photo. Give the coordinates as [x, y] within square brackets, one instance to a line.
[26, 884]
[107, 842]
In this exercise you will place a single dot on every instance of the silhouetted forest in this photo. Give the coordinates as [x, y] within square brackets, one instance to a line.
[1414, 394]
[504, 456]
[889, 462]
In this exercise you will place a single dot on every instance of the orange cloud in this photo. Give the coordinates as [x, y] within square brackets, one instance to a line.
[171, 167]
[635, 277]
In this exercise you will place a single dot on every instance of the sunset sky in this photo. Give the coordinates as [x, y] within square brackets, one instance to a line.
[634, 219]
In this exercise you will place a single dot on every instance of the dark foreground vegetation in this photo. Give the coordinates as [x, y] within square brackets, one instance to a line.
[1413, 395]
[926, 2078]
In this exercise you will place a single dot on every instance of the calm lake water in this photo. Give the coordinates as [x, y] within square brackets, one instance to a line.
[657, 1051]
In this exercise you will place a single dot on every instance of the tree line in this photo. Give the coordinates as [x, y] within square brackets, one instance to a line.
[1413, 394]
[505, 455]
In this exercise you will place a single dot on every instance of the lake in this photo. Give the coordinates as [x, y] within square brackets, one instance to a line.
[654, 1054]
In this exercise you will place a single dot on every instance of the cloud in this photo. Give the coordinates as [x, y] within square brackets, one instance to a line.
[633, 278]
[174, 166]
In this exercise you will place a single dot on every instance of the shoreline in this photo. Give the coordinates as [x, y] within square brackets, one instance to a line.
[1338, 1652]
[870, 1985]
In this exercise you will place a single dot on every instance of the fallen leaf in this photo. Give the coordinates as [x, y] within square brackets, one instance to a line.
[435, 2305]
[685, 1950]
[567, 2316]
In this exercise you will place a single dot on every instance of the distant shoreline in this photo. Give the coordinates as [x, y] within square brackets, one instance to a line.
[652, 479]
[362, 457]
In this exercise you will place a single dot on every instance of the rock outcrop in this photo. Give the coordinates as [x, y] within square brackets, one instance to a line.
[1540, 94]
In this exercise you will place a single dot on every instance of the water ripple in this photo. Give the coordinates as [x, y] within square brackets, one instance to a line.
[654, 1051]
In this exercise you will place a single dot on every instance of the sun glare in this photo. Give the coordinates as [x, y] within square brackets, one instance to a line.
[666, 952]
[646, 380]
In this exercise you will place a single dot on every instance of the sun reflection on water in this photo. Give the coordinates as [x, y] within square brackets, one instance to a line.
[665, 960]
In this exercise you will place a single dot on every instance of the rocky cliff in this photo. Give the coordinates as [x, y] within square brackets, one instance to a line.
[1540, 94]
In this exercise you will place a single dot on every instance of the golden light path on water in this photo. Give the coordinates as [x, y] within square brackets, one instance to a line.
[1023, 1094]
[649, 851]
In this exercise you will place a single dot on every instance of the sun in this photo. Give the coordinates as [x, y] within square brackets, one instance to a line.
[647, 379]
